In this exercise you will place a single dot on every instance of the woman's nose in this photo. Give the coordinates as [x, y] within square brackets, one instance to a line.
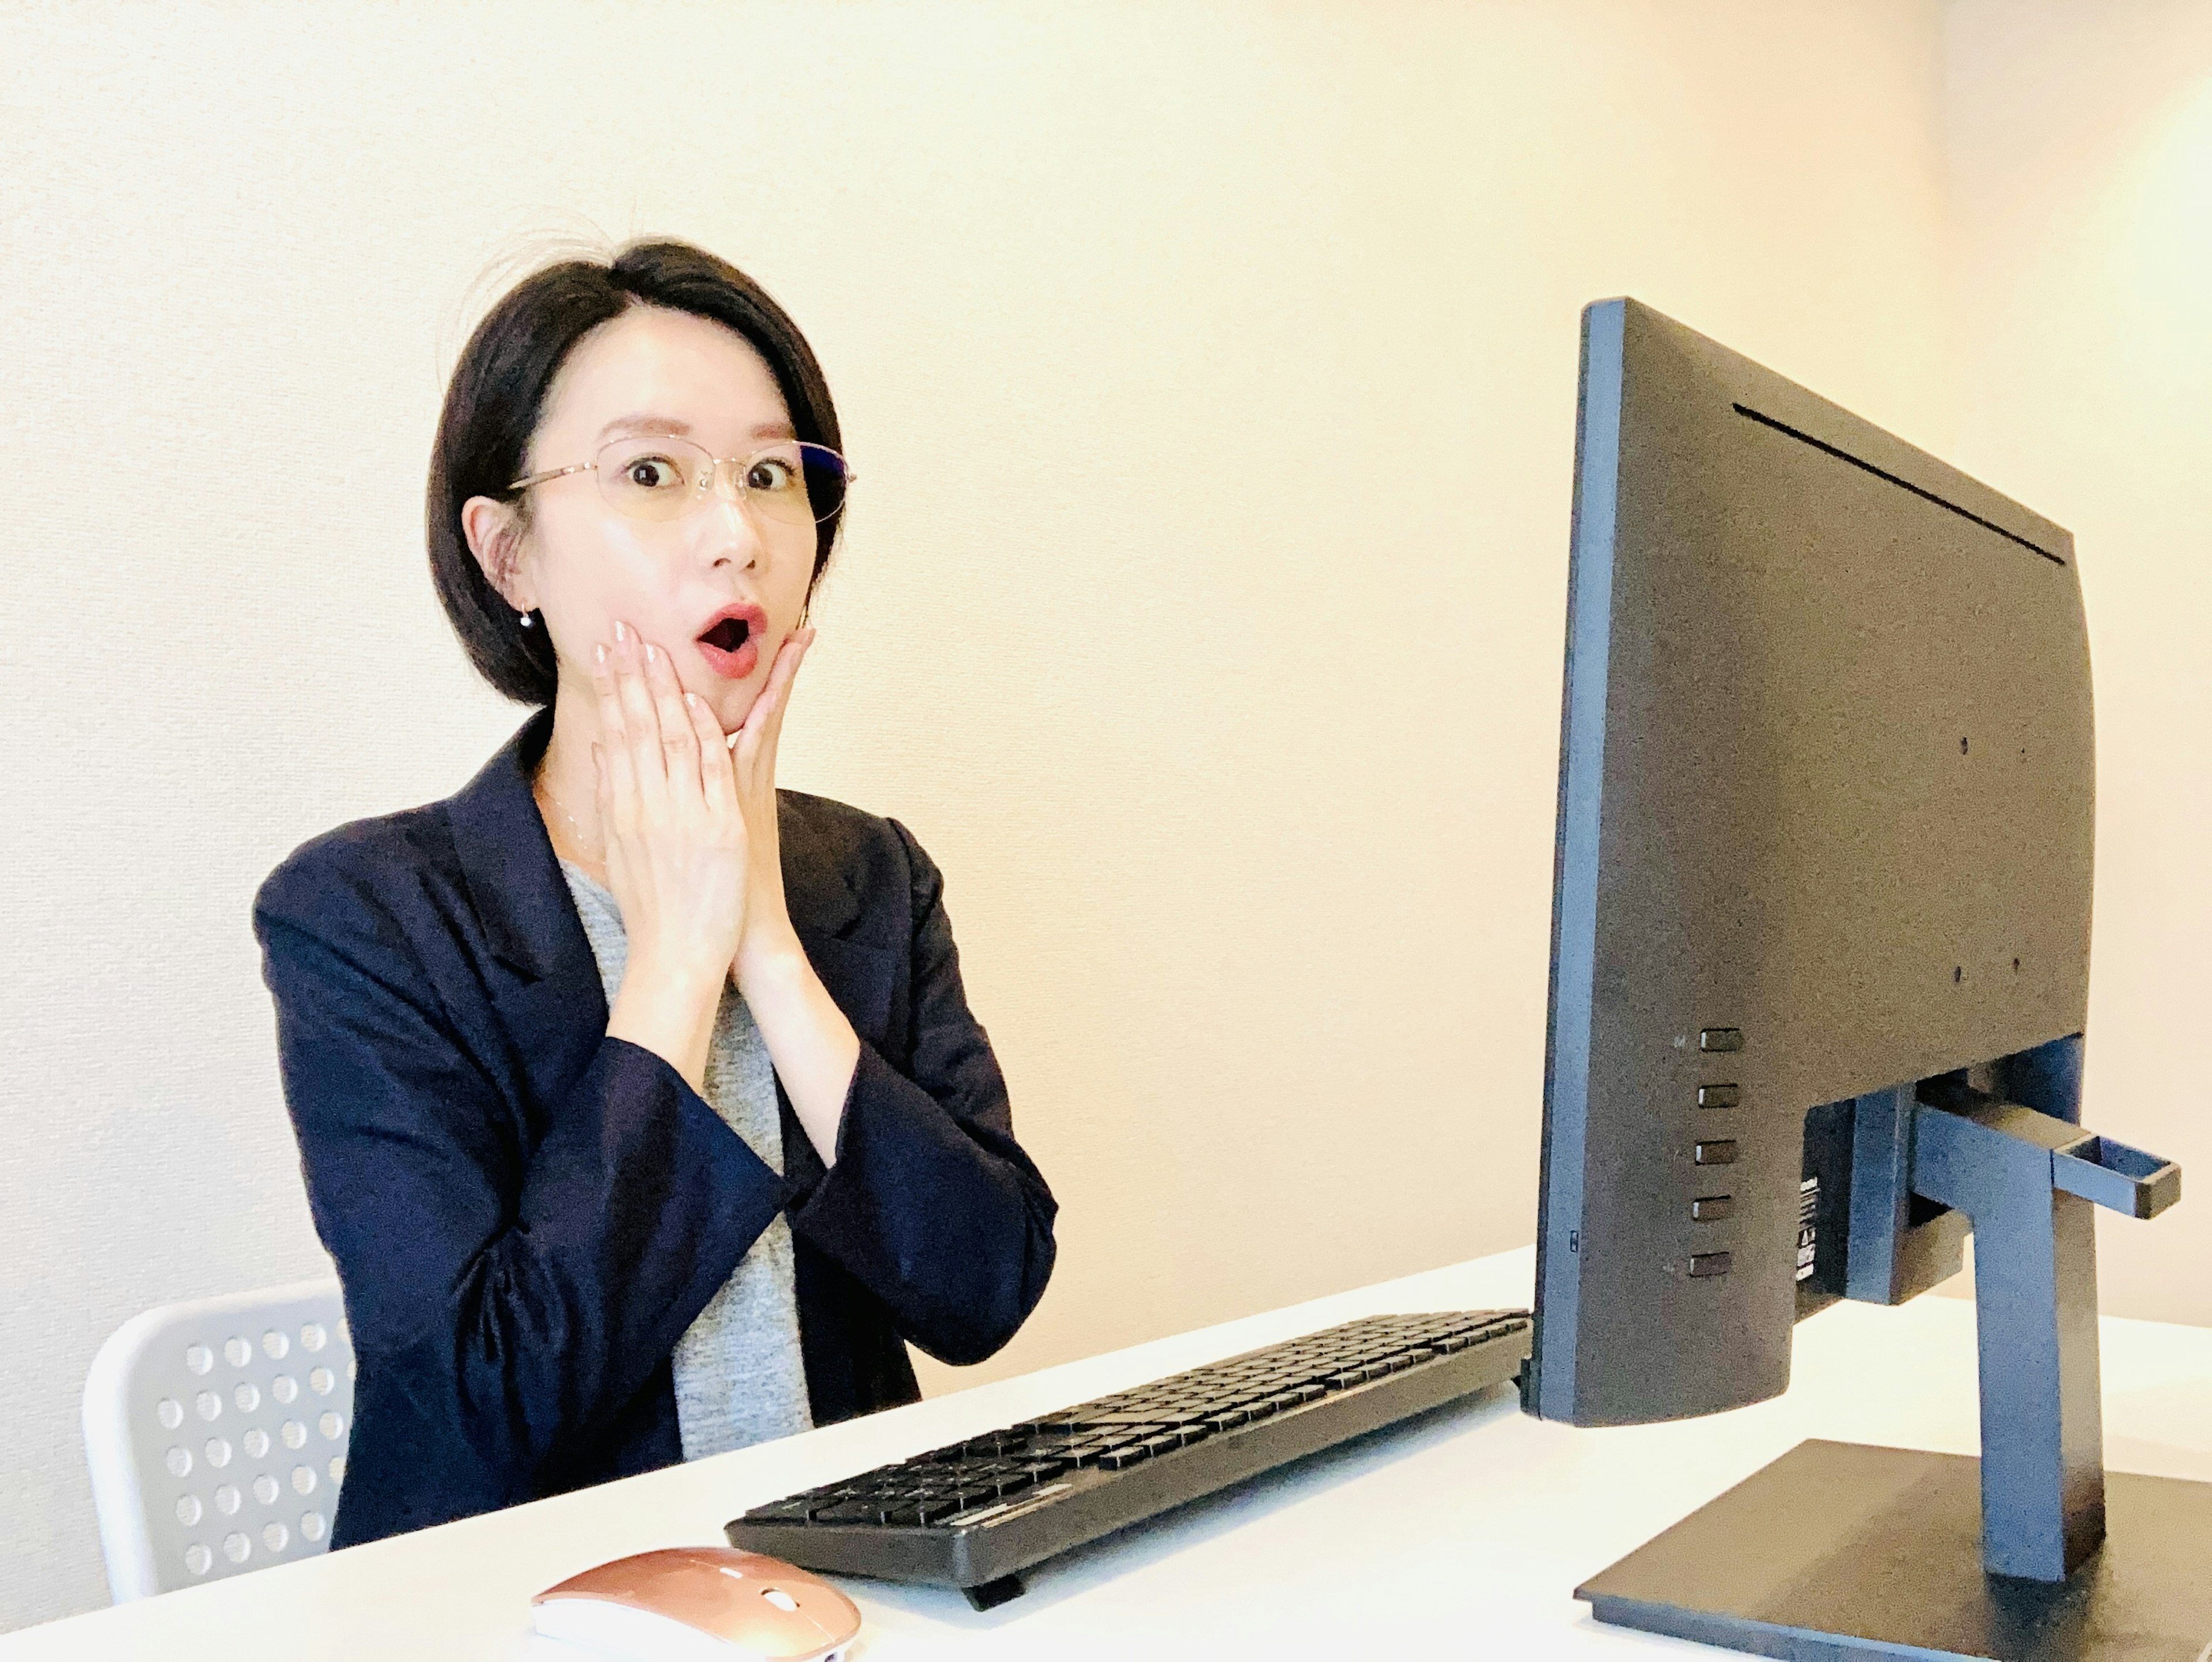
[729, 527]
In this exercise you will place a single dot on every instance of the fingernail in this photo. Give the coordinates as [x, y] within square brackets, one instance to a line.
[691, 701]
[622, 630]
[652, 653]
[600, 654]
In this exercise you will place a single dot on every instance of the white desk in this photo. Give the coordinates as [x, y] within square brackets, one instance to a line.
[1476, 1524]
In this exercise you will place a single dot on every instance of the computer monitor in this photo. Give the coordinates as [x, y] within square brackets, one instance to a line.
[1820, 970]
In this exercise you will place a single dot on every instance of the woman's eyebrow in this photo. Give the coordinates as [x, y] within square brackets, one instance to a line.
[646, 424]
[670, 424]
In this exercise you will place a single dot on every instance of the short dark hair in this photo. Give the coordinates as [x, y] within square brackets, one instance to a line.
[497, 395]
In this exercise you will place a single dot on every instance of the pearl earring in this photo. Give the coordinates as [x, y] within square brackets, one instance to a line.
[526, 623]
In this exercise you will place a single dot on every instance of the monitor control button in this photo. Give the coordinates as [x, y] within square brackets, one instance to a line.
[1718, 1096]
[1720, 1038]
[1703, 1265]
[1717, 1154]
[1711, 1209]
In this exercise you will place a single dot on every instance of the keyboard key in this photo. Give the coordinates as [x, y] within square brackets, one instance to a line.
[849, 1511]
[783, 1511]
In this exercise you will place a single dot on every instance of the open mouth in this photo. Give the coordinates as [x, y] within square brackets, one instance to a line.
[728, 634]
[730, 646]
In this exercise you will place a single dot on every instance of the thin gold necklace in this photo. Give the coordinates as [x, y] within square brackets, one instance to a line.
[583, 843]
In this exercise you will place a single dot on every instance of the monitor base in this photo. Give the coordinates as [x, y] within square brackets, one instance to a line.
[1840, 1549]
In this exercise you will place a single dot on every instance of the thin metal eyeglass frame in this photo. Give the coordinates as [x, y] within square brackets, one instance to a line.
[745, 492]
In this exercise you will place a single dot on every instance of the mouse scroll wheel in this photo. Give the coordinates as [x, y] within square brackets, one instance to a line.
[780, 1598]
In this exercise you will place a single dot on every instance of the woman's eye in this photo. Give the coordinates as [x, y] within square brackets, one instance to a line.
[652, 473]
[771, 474]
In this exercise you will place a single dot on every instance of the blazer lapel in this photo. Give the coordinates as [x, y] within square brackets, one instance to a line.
[545, 983]
[825, 911]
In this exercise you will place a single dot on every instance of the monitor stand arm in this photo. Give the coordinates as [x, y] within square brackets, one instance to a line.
[1838, 1551]
[2028, 1181]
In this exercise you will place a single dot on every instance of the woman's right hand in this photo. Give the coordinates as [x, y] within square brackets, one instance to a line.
[675, 851]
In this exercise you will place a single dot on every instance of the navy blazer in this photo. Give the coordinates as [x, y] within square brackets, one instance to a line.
[527, 1214]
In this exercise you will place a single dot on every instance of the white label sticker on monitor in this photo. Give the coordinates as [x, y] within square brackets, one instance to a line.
[1808, 1204]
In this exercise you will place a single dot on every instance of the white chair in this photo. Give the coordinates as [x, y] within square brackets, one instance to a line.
[217, 1432]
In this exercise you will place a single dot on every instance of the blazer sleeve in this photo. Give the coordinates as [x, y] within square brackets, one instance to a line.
[506, 1295]
[930, 1204]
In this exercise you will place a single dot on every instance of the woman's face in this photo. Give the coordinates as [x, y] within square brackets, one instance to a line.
[586, 566]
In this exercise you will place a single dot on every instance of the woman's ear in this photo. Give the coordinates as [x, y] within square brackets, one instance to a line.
[495, 539]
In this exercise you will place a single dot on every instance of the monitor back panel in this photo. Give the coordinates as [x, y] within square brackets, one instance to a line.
[1824, 827]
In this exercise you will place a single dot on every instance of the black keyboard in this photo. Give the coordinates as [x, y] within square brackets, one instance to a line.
[975, 1514]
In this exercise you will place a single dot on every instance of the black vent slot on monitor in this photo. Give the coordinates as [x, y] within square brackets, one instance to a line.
[1925, 495]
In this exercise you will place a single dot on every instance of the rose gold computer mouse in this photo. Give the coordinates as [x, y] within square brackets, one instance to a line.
[714, 1603]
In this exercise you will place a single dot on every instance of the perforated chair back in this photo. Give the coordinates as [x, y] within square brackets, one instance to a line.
[216, 1432]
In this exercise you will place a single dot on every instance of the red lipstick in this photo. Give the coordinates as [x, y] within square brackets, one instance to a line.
[730, 643]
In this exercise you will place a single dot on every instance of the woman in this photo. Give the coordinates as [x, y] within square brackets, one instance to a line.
[638, 1101]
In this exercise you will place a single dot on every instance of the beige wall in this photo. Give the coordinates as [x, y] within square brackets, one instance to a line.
[1210, 371]
[2081, 139]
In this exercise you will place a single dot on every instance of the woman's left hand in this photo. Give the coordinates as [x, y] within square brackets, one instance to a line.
[809, 1039]
[767, 929]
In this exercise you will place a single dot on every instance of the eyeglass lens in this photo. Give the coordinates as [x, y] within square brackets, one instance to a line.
[664, 477]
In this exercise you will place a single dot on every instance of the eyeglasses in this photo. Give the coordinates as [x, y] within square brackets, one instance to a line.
[661, 477]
